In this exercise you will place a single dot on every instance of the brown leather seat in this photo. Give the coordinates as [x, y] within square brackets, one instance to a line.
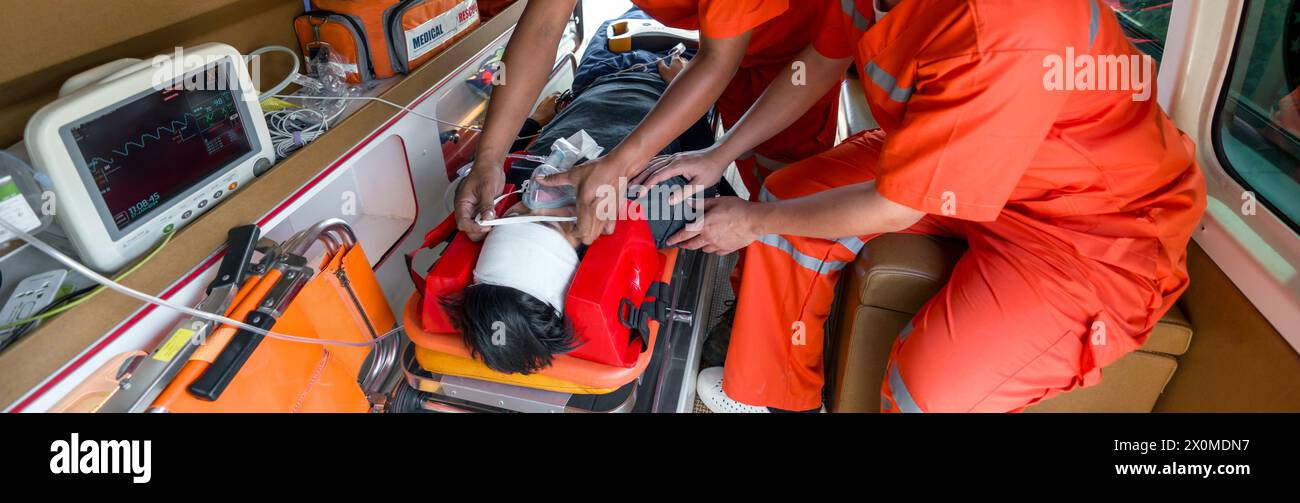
[897, 273]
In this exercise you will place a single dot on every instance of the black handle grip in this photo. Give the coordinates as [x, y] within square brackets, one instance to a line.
[240, 243]
[214, 380]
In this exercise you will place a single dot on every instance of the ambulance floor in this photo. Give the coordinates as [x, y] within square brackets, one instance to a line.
[722, 295]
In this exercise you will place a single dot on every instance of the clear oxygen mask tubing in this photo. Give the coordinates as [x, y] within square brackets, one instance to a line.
[144, 297]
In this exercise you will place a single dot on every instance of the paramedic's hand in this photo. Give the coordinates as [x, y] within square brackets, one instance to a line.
[702, 169]
[599, 195]
[481, 186]
[726, 224]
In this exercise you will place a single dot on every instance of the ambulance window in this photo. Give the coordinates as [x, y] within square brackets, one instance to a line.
[1145, 22]
[1258, 131]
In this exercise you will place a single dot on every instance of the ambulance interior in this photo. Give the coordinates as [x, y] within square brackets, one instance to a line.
[378, 180]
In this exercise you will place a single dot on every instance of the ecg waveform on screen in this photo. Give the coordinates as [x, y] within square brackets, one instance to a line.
[125, 150]
[190, 124]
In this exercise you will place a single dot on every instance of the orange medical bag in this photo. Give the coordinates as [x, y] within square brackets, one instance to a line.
[337, 299]
[377, 39]
[342, 302]
[489, 8]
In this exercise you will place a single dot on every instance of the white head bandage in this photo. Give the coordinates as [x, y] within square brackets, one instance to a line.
[532, 258]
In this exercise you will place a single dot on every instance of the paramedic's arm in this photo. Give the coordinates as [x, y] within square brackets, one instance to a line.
[781, 104]
[687, 99]
[852, 210]
[541, 25]
[728, 224]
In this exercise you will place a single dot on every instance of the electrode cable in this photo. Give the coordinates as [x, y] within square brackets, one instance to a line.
[144, 297]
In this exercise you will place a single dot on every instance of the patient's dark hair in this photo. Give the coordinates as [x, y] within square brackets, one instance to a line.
[529, 334]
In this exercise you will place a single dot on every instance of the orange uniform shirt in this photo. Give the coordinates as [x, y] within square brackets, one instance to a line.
[979, 127]
[780, 30]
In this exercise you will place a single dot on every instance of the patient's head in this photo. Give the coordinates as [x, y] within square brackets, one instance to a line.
[508, 330]
[512, 316]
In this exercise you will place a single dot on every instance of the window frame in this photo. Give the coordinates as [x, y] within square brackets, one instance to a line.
[1129, 25]
[1259, 253]
[1216, 126]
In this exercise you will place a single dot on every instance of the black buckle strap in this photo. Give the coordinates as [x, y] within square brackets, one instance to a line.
[654, 307]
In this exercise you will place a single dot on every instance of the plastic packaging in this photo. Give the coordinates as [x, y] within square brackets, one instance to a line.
[565, 154]
[327, 82]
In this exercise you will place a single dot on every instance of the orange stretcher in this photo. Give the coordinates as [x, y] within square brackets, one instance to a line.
[618, 291]
[446, 354]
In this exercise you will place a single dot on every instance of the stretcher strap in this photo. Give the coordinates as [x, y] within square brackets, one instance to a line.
[654, 307]
[440, 234]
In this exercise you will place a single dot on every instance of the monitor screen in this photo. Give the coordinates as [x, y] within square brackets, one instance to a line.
[148, 150]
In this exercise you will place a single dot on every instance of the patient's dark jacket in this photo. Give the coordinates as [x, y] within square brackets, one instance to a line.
[609, 109]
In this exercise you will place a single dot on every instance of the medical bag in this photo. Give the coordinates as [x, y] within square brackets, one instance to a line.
[234, 370]
[490, 8]
[378, 39]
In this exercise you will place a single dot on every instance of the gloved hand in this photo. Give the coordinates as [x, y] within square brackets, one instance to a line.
[701, 169]
[474, 198]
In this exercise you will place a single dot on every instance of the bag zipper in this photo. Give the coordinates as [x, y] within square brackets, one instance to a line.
[365, 69]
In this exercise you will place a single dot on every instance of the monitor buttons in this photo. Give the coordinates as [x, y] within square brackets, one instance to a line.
[187, 215]
[232, 186]
[218, 194]
[203, 204]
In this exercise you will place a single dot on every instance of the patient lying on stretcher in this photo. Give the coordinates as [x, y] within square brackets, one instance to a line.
[512, 316]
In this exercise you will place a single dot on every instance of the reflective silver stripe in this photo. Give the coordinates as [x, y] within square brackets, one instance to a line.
[902, 398]
[767, 162]
[902, 336]
[860, 21]
[809, 262]
[1095, 24]
[854, 245]
[887, 82]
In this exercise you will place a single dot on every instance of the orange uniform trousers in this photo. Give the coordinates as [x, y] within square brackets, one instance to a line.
[1011, 327]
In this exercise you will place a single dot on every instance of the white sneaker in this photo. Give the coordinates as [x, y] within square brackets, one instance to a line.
[709, 388]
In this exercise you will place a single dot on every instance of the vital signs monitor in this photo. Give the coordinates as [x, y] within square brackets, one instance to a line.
[140, 148]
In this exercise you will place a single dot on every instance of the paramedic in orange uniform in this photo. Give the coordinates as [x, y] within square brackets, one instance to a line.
[743, 45]
[1077, 205]
[773, 46]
